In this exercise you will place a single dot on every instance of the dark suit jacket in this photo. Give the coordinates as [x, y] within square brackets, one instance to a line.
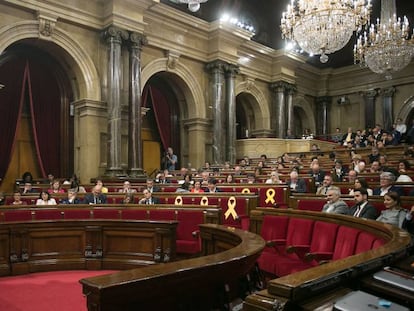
[368, 212]
[346, 135]
[66, 201]
[153, 199]
[90, 199]
[399, 190]
[300, 185]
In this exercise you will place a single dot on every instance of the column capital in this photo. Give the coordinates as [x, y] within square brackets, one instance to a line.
[370, 93]
[216, 65]
[115, 34]
[323, 100]
[137, 40]
[279, 86]
[387, 92]
[231, 70]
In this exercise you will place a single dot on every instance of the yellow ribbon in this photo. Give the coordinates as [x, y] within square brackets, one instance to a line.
[204, 201]
[231, 204]
[178, 200]
[270, 194]
[245, 190]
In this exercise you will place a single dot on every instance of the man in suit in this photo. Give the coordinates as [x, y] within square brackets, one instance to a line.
[295, 183]
[212, 185]
[148, 198]
[334, 203]
[362, 208]
[150, 186]
[71, 199]
[387, 180]
[348, 137]
[327, 184]
[95, 196]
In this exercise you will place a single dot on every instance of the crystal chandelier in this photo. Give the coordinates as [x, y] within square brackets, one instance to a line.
[193, 5]
[322, 27]
[387, 46]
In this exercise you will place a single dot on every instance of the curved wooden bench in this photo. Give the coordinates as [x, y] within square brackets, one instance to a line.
[292, 289]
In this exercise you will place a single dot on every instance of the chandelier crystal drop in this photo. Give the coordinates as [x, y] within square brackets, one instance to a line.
[193, 5]
[322, 27]
[385, 47]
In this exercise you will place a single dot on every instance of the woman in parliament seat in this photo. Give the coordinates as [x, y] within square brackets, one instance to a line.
[17, 199]
[45, 199]
[361, 183]
[394, 213]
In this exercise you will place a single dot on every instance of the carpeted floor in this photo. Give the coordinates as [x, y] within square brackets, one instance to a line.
[47, 291]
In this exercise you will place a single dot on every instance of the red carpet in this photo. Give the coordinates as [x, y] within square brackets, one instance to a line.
[47, 291]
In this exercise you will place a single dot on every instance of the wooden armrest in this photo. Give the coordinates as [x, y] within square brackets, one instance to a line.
[321, 257]
[297, 248]
[195, 233]
[273, 243]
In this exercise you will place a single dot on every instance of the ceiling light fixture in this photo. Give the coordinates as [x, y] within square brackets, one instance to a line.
[322, 27]
[387, 46]
[193, 5]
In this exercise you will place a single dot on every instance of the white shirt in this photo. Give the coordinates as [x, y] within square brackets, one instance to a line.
[48, 202]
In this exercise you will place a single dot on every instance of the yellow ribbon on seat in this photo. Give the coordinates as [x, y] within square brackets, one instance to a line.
[246, 190]
[270, 194]
[204, 201]
[178, 200]
[231, 204]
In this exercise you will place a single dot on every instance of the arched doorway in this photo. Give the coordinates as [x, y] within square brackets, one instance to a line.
[36, 96]
[162, 125]
[245, 115]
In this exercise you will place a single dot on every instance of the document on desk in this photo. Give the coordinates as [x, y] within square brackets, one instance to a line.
[396, 279]
[361, 301]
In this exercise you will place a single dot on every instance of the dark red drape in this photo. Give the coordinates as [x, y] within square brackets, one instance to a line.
[44, 100]
[11, 101]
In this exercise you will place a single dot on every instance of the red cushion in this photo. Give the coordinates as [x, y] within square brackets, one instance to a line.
[134, 214]
[365, 242]
[23, 215]
[48, 214]
[106, 214]
[162, 214]
[77, 214]
[345, 242]
[311, 205]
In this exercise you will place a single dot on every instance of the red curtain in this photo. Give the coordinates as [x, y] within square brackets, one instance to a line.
[29, 82]
[11, 103]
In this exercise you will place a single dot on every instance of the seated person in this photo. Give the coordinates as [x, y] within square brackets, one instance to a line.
[317, 174]
[100, 184]
[251, 179]
[334, 204]
[393, 214]
[72, 198]
[95, 196]
[361, 183]
[17, 199]
[274, 179]
[28, 188]
[151, 187]
[197, 187]
[128, 198]
[212, 186]
[45, 199]
[127, 188]
[2, 198]
[148, 198]
[295, 183]
[338, 172]
[387, 180]
[55, 187]
[403, 169]
[327, 184]
[362, 208]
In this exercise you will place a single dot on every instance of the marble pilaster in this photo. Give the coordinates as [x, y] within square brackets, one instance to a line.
[369, 100]
[291, 90]
[278, 109]
[323, 104]
[387, 104]
[230, 74]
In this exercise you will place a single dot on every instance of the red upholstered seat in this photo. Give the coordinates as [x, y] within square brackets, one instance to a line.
[311, 205]
[134, 214]
[162, 215]
[23, 215]
[235, 213]
[77, 214]
[273, 196]
[323, 242]
[365, 242]
[106, 213]
[187, 231]
[48, 214]
[345, 243]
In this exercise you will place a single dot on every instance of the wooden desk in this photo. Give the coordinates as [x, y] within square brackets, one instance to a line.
[191, 284]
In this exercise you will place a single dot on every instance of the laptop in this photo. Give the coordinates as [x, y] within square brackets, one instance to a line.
[361, 301]
[396, 279]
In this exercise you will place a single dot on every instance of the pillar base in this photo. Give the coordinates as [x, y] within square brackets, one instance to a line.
[137, 173]
[115, 172]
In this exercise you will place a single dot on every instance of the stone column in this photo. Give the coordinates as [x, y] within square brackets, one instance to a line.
[387, 103]
[291, 90]
[217, 69]
[136, 41]
[323, 103]
[113, 37]
[369, 99]
[278, 109]
[231, 71]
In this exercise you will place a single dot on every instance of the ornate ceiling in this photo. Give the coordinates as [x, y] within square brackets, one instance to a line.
[265, 16]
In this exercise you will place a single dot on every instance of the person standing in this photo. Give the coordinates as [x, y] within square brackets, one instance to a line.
[170, 159]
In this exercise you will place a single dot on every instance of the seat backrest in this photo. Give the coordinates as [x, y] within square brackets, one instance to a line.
[324, 237]
[77, 214]
[345, 243]
[20, 215]
[161, 214]
[48, 214]
[134, 214]
[188, 222]
[365, 242]
[274, 227]
[311, 205]
[106, 213]
[299, 231]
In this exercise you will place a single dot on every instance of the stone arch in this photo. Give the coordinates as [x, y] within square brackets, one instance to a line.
[83, 66]
[308, 117]
[261, 105]
[191, 89]
[407, 110]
